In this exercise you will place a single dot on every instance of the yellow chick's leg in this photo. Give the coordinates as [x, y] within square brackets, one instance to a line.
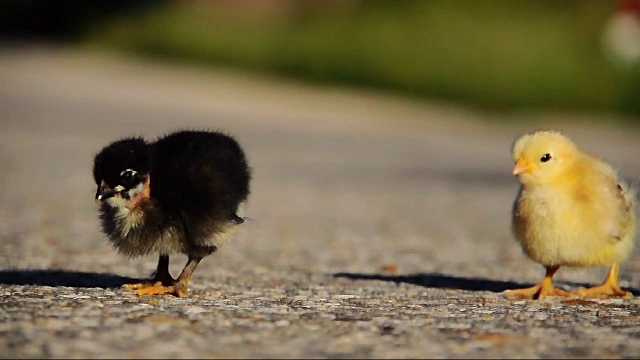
[543, 289]
[161, 277]
[609, 287]
[179, 288]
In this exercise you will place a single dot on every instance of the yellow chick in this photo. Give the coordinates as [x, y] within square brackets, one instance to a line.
[571, 210]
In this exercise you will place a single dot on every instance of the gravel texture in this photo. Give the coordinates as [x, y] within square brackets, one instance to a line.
[379, 227]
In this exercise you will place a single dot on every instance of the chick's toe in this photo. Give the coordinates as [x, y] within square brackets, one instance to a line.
[159, 289]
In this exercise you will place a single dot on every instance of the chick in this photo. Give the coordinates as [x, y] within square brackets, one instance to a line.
[571, 210]
[180, 194]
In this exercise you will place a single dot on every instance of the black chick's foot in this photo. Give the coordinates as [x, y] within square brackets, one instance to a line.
[179, 290]
[178, 287]
[162, 278]
[155, 282]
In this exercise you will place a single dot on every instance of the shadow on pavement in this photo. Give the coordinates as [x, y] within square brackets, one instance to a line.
[442, 281]
[63, 278]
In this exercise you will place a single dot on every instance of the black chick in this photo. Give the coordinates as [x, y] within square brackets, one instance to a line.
[180, 194]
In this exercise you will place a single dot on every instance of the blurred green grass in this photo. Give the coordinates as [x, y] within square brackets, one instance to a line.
[496, 54]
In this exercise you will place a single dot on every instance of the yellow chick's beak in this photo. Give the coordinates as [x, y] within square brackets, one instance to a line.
[522, 166]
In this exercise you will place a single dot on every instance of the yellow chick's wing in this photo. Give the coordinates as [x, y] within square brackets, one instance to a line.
[607, 206]
[626, 209]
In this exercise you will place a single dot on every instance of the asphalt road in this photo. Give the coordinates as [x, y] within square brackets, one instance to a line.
[380, 226]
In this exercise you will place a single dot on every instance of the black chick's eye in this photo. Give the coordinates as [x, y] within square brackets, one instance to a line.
[545, 157]
[127, 175]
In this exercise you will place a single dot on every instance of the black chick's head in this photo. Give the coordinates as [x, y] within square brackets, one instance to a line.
[121, 166]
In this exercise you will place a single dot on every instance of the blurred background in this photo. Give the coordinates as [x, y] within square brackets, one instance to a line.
[498, 55]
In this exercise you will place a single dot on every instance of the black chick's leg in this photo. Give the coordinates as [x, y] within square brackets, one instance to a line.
[161, 276]
[180, 287]
[182, 283]
[162, 272]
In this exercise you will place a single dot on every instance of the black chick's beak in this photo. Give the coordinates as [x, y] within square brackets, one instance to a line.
[104, 192]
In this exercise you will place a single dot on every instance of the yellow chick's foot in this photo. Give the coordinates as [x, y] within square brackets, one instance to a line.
[610, 287]
[540, 291]
[604, 290]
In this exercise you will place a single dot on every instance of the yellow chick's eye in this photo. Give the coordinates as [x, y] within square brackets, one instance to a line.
[545, 157]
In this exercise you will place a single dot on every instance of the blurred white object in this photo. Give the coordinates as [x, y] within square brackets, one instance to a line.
[621, 37]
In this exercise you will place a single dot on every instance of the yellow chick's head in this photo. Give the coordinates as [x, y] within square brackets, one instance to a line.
[542, 157]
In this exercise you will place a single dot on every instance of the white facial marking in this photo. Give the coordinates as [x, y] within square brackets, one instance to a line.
[118, 203]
